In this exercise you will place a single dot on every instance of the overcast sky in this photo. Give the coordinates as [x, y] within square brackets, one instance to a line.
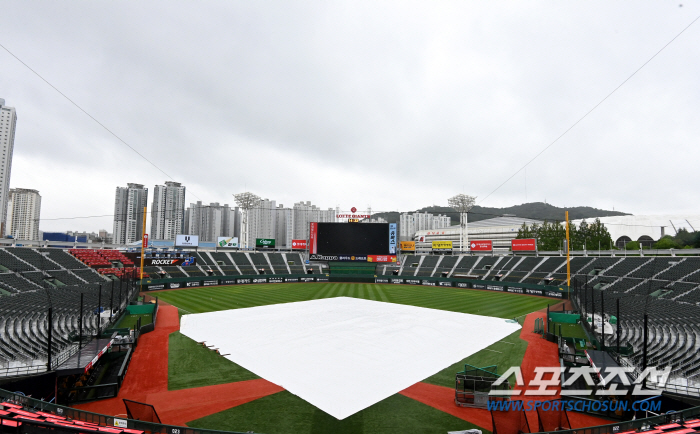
[397, 105]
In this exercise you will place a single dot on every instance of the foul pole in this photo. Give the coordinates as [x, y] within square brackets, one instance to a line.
[568, 260]
[144, 240]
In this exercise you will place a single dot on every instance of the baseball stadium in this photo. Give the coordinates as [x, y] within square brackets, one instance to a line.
[352, 333]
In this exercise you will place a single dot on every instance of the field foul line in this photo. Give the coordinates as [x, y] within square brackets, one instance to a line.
[500, 352]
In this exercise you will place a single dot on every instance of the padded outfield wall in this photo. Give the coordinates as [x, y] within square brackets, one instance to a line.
[558, 292]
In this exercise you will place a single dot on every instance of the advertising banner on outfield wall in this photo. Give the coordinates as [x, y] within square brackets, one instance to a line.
[481, 245]
[442, 245]
[381, 258]
[227, 242]
[183, 262]
[524, 245]
[187, 240]
[392, 238]
[299, 244]
[264, 242]
[408, 246]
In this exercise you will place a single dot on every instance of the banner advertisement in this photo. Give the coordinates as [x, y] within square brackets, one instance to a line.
[313, 234]
[392, 238]
[481, 245]
[227, 242]
[408, 246]
[264, 242]
[187, 240]
[525, 245]
[315, 257]
[183, 262]
[442, 245]
[381, 258]
[145, 241]
[352, 258]
[299, 244]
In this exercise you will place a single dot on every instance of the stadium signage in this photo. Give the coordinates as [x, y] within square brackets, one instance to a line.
[516, 290]
[187, 240]
[145, 241]
[210, 282]
[525, 245]
[428, 283]
[445, 283]
[306, 279]
[121, 423]
[352, 258]
[322, 279]
[313, 238]
[534, 291]
[242, 281]
[392, 238]
[408, 246]
[175, 261]
[155, 287]
[381, 280]
[494, 288]
[412, 281]
[325, 257]
[442, 245]
[264, 242]
[478, 286]
[381, 258]
[299, 244]
[227, 242]
[260, 280]
[191, 284]
[353, 216]
[174, 285]
[228, 282]
[291, 279]
[553, 294]
[397, 281]
[276, 280]
[462, 285]
[481, 245]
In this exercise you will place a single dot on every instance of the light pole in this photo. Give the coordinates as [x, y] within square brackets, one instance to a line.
[462, 203]
[246, 201]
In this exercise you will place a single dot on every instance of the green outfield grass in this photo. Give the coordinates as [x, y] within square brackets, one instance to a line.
[192, 365]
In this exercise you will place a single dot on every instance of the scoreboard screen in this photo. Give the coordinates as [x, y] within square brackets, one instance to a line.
[352, 239]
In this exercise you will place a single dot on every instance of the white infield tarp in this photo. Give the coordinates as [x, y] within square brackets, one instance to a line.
[344, 354]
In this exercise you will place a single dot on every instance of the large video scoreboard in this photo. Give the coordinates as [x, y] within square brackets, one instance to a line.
[352, 241]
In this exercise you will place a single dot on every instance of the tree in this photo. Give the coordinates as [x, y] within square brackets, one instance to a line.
[667, 242]
[632, 245]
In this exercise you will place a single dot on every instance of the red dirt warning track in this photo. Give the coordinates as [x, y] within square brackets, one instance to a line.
[539, 352]
[147, 381]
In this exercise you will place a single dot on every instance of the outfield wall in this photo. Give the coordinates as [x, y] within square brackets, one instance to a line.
[558, 292]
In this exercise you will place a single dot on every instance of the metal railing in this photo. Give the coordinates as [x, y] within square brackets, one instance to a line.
[101, 419]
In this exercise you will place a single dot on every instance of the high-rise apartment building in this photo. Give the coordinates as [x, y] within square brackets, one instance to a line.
[129, 203]
[8, 122]
[305, 213]
[409, 224]
[262, 221]
[211, 221]
[24, 211]
[168, 211]
[285, 226]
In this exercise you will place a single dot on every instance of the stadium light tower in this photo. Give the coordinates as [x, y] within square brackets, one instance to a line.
[246, 201]
[462, 203]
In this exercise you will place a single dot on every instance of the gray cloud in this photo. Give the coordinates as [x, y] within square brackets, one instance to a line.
[396, 105]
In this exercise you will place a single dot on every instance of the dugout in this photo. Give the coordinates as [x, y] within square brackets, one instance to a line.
[474, 385]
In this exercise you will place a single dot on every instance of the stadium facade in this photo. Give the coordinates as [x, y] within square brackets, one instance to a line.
[501, 230]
